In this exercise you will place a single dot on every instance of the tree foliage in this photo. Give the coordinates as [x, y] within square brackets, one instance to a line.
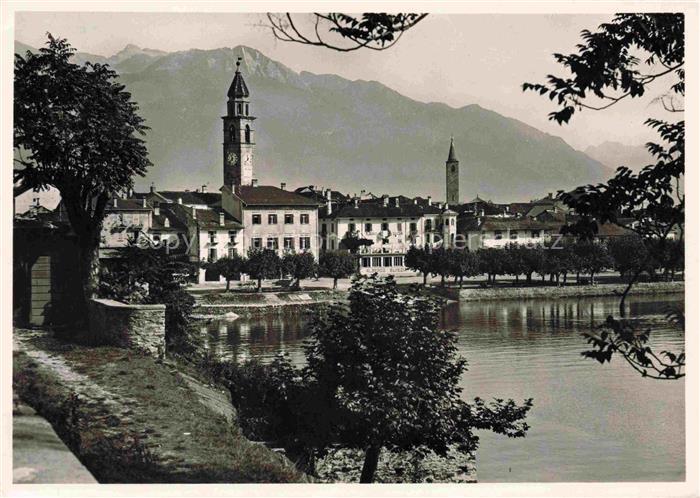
[229, 267]
[299, 265]
[619, 61]
[624, 338]
[341, 31]
[380, 376]
[419, 260]
[262, 264]
[607, 68]
[76, 129]
[336, 264]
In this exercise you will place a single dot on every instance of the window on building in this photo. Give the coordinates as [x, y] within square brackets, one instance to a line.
[376, 261]
[413, 227]
[387, 260]
[535, 234]
[212, 254]
[289, 243]
[399, 227]
[428, 225]
[257, 219]
[247, 134]
[332, 244]
[232, 236]
[323, 228]
[271, 219]
[212, 237]
[272, 243]
[513, 234]
[247, 110]
[498, 235]
[366, 262]
[288, 219]
[398, 260]
[304, 219]
[239, 107]
[351, 227]
[232, 252]
[257, 243]
[385, 226]
[304, 242]
[368, 227]
[232, 133]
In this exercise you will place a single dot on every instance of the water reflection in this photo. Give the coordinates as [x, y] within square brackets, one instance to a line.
[589, 422]
[262, 337]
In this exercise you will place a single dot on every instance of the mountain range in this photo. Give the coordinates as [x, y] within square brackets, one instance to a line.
[328, 131]
[615, 154]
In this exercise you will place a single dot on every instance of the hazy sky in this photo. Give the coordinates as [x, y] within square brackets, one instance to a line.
[456, 59]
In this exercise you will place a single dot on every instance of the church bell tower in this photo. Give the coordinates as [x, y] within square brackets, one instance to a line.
[239, 142]
[452, 176]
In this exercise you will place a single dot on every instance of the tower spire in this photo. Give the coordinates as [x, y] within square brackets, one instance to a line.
[238, 88]
[452, 176]
[451, 156]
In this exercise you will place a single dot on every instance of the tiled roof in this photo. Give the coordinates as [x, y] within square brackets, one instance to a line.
[377, 210]
[320, 196]
[267, 195]
[612, 230]
[192, 197]
[175, 223]
[126, 205]
[520, 207]
[518, 224]
[209, 218]
[205, 218]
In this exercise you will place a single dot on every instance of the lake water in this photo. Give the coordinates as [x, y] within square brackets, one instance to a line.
[590, 422]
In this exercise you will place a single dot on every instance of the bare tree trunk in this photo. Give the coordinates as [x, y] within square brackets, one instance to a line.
[89, 269]
[370, 466]
[335, 283]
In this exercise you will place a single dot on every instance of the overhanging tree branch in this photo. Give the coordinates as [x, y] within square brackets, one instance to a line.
[372, 31]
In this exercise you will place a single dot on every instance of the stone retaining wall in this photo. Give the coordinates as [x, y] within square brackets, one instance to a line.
[255, 309]
[133, 326]
[552, 292]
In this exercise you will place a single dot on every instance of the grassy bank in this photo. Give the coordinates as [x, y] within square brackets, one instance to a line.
[130, 418]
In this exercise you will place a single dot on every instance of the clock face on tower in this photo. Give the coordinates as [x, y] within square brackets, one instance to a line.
[231, 157]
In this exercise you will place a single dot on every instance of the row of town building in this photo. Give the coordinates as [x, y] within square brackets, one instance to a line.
[243, 215]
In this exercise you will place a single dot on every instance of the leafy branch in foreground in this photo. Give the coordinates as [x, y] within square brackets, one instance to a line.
[623, 338]
[343, 32]
[618, 61]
